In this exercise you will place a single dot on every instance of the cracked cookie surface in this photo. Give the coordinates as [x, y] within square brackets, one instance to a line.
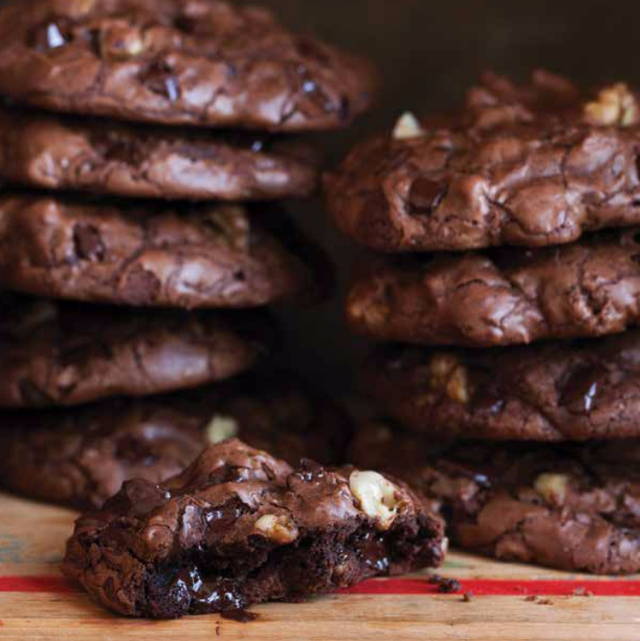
[148, 255]
[196, 62]
[571, 506]
[81, 457]
[239, 527]
[575, 390]
[55, 353]
[525, 165]
[53, 152]
[505, 296]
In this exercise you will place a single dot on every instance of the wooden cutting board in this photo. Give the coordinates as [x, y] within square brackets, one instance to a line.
[509, 602]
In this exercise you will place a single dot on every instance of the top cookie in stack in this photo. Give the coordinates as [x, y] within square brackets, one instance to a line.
[202, 63]
[526, 200]
[170, 116]
[206, 63]
[536, 166]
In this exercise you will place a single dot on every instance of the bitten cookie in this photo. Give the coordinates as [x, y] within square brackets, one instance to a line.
[81, 457]
[520, 165]
[66, 153]
[188, 256]
[64, 353]
[504, 296]
[196, 62]
[240, 527]
[571, 506]
[578, 390]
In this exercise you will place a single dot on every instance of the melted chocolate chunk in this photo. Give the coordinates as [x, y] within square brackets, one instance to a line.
[159, 78]
[88, 243]
[426, 195]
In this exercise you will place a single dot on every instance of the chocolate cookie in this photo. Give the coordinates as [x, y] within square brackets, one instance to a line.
[189, 256]
[533, 165]
[65, 353]
[571, 506]
[503, 297]
[557, 391]
[62, 153]
[196, 62]
[82, 457]
[240, 527]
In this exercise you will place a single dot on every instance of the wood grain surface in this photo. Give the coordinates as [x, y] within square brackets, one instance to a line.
[509, 602]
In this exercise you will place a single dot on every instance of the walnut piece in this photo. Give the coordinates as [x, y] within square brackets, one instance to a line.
[231, 224]
[72, 8]
[119, 41]
[277, 528]
[378, 497]
[616, 105]
[450, 376]
[407, 127]
[221, 428]
[552, 487]
[373, 313]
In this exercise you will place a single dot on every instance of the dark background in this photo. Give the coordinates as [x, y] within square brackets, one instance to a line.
[428, 54]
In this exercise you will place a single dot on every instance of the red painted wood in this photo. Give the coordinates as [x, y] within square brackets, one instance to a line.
[399, 586]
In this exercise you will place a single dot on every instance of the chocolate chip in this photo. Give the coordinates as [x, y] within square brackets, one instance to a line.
[185, 23]
[32, 394]
[344, 109]
[55, 38]
[50, 35]
[309, 86]
[489, 403]
[141, 286]
[581, 391]
[88, 243]
[135, 450]
[118, 148]
[222, 517]
[308, 48]
[426, 195]
[173, 89]
[159, 79]
[315, 93]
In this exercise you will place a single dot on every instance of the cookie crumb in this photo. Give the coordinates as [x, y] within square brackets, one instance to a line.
[531, 597]
[544, 602]
[445, 585]
[582, 591]
[467, 597]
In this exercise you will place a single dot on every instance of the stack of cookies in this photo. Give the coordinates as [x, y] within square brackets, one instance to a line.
[127, 250]
[512, 370]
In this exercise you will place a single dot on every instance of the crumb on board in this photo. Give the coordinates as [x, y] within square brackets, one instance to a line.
[581, 591]
[467, 596]
[445, 585]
